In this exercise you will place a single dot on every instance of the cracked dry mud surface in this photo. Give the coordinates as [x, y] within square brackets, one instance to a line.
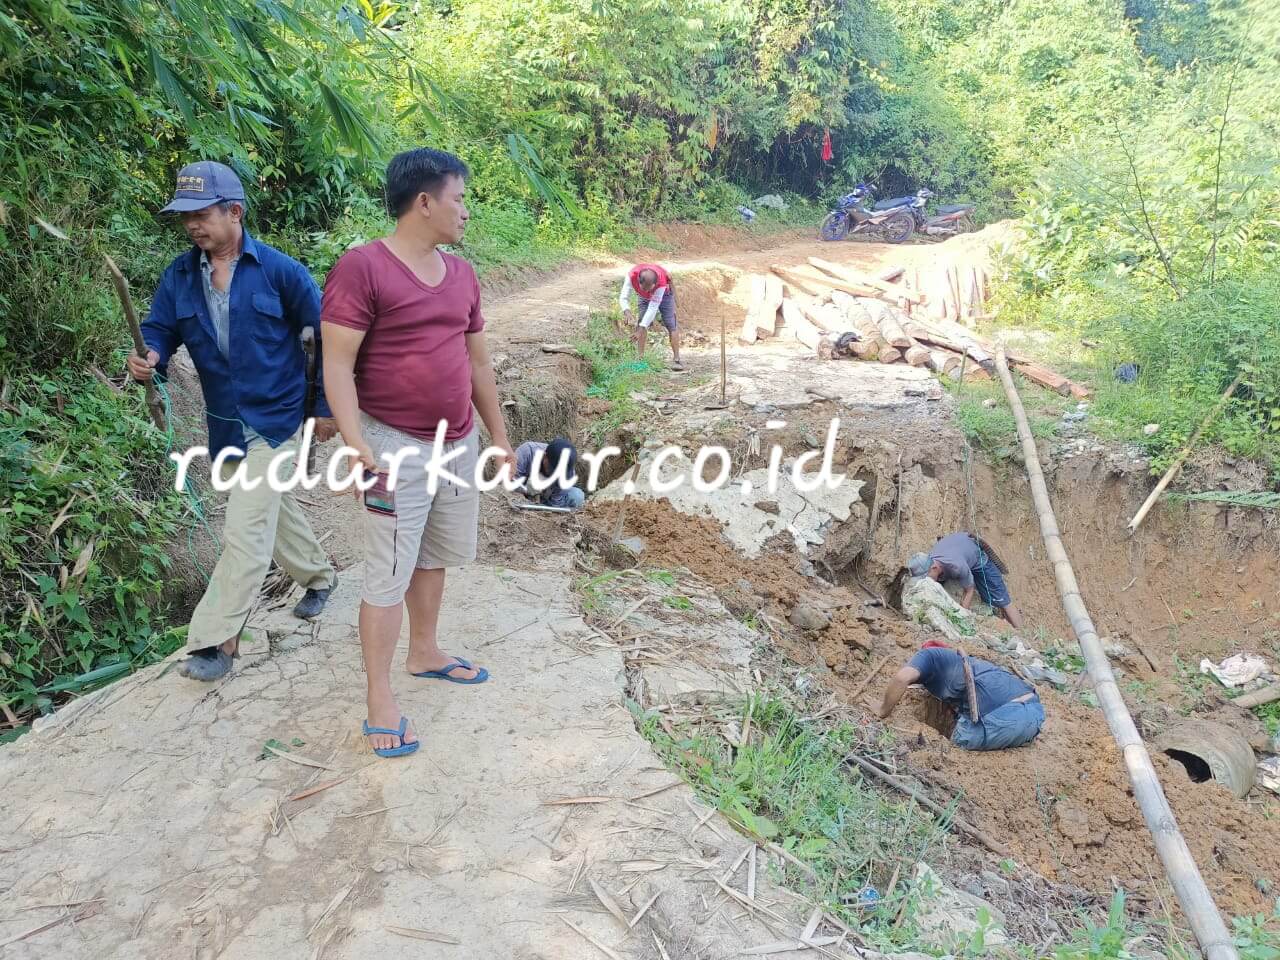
[161, 800]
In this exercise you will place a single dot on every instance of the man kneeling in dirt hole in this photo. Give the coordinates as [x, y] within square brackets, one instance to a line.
[997, 712]
[965, 558]
[656, 296]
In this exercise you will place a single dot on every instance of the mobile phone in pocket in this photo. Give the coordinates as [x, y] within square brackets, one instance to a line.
[379, 499]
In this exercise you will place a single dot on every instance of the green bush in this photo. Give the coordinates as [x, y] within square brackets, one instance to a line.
[88, 514]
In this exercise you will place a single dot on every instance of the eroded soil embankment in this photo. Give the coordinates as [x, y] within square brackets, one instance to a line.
[1064, 805]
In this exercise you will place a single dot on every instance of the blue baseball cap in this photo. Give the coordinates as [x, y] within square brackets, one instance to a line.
[202, 185]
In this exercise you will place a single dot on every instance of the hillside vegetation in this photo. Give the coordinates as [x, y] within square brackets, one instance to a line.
[1136, 140]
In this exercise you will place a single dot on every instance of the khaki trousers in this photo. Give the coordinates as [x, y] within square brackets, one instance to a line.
[261, 524]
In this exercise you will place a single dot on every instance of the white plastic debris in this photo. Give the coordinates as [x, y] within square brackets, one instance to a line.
[1151, 429]
[1236, 671]
[770, 200]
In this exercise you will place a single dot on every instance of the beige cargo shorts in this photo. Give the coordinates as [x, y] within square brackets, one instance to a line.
[426, 531]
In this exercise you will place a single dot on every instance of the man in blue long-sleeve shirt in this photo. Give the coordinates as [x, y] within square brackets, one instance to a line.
[239, 307]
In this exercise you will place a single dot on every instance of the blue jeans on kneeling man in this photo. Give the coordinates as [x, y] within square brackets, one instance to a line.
[1011, 725]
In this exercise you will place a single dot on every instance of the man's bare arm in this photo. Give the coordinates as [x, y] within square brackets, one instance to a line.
[484, 394]
[904, 678]
[967, 600]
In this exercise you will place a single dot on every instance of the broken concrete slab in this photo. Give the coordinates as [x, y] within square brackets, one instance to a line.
[806, 516]
[947, 915]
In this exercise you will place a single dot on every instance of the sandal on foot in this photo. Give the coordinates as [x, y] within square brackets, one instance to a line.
[403, 750]
[481, 674]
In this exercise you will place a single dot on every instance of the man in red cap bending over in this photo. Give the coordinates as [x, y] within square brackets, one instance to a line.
[993, 708]
[652, 287]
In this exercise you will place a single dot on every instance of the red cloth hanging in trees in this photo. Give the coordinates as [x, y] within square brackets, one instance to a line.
[827, 153]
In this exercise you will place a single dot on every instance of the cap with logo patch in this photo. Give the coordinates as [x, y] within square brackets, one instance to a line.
[202, 185]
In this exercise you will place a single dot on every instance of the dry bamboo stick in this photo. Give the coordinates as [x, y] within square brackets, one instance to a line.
[964, 826]
[1182, 457]
[1184, 876]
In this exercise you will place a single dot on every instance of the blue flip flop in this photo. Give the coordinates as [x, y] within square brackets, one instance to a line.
[481, 675]
[401, 751]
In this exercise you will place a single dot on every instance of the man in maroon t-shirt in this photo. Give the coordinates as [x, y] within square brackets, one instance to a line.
[405, 361]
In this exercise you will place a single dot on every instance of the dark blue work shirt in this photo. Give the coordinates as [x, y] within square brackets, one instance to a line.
[942, 674]
[263, 382]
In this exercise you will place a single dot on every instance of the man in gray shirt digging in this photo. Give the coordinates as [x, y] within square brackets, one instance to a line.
[967, 560]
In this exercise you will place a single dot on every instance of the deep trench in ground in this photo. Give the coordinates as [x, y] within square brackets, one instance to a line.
[1195, 582]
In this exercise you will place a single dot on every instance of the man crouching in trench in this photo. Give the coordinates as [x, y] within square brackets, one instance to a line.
[982, 706]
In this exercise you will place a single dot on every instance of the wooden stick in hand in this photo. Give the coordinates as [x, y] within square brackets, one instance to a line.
[154, 403]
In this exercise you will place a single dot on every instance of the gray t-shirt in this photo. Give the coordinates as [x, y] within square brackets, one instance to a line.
[942, 674]
[958, 554]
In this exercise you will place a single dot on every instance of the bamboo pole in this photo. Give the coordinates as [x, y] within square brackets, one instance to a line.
[1184, 876]
[1182, 457]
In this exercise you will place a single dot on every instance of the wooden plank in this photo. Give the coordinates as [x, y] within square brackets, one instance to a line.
[808, 277]
[748, 334]
[1045, 378]
[767, 320]
[799, 325]
[851, 276]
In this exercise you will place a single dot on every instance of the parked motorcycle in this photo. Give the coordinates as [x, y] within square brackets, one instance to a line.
[892, 220]
[947, 221]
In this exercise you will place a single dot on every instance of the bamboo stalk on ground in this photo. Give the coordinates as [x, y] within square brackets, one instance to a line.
[1184, 876]
[1182, 457]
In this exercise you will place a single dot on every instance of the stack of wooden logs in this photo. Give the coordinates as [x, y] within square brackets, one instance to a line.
[822, 303]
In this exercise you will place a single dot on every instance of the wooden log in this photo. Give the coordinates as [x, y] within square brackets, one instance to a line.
[748, 334]
[861, 319]
[917, 356]
[1182, 457]
[944, 363]
[851, 276]
[891, 274]
[892, 330]
[865, 349]
[1197, 904]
